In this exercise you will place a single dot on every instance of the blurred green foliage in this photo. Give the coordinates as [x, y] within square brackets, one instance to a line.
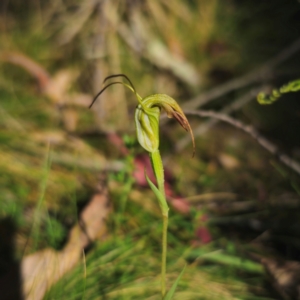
[217, 41]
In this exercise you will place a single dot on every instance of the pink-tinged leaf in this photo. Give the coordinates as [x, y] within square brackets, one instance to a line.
[203, 235]
[202, 232]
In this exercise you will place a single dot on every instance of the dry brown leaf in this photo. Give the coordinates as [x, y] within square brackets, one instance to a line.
[40, 270]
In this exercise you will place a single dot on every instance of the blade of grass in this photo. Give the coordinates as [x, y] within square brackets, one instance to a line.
[171, 292]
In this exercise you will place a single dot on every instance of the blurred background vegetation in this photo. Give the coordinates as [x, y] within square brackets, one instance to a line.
[238, 226]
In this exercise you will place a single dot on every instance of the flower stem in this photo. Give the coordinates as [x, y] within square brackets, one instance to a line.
[157, 166]
[158, 170]
[164, 255]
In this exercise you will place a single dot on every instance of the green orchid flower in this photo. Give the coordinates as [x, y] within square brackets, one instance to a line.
[148, 112]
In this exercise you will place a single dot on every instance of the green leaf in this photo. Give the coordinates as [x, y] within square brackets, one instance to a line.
[221, 257]
[171, 292]
[161, 199]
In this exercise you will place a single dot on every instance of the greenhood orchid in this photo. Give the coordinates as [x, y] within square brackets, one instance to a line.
[147, 115]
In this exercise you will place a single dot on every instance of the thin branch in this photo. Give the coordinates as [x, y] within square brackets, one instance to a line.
[265, 143]
[262, 73]
[234, 106]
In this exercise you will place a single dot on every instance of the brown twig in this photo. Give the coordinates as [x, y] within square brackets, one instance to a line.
[265, 143]
[236, 105]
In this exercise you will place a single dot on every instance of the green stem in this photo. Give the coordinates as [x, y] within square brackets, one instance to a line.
[164, 256]
[159, 174]
[158, 169]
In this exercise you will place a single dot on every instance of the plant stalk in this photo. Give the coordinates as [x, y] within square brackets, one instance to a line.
[158, 170]
[164, 256]
[157, 166]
